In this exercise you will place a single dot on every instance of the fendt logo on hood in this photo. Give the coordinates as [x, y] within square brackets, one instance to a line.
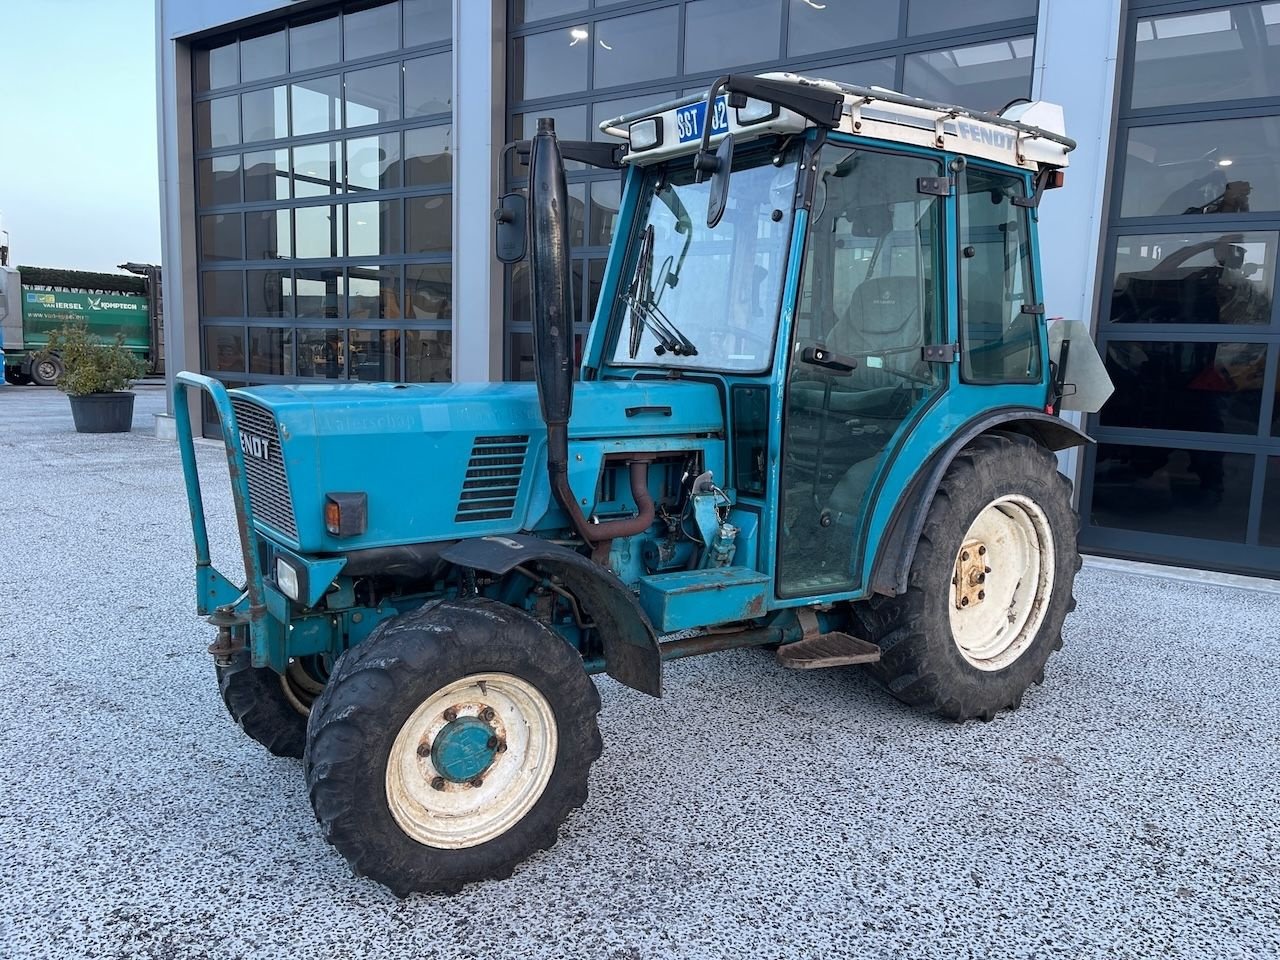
[254, 446]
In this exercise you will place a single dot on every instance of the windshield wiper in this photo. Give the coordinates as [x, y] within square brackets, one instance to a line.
[645, 312]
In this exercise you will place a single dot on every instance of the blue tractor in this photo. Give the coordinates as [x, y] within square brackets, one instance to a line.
[817, 412]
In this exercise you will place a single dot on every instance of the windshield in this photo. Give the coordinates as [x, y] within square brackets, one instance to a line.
[701, 298]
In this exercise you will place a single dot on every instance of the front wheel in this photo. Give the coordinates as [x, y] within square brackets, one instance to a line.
[450, 745]
[989, 587]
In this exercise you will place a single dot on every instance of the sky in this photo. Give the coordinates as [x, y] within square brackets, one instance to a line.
[78, 173]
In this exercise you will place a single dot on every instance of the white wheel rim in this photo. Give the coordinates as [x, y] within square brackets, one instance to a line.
[995, 631]
[460, 815]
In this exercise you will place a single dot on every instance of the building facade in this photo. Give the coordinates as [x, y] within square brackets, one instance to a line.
[328, 169]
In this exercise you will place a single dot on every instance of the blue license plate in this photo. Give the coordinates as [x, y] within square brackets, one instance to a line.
[689, 120]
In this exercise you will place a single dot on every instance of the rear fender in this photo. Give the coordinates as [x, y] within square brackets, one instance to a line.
[897, 547]
[631, 652]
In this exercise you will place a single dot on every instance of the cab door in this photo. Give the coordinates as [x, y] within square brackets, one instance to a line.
[871, 297]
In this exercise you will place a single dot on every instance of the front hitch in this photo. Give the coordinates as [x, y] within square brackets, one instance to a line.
[229, 641]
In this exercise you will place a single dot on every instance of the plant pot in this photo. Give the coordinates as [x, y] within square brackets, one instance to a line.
[103, 412]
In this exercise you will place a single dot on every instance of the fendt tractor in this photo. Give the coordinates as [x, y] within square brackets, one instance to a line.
[817, 412]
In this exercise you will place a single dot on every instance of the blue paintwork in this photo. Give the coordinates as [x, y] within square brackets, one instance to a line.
[461, 750]
[695, 598]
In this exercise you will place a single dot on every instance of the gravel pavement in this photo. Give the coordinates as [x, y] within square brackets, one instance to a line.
[1129, 809]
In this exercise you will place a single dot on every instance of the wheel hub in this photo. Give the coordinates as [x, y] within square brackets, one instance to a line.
[464, 749]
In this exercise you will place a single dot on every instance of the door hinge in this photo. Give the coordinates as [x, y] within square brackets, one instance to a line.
[934, 186]
[1035, 309]
[940, 352]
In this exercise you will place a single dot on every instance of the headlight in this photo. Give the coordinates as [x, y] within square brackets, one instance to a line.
[287, 579]
[645, 134]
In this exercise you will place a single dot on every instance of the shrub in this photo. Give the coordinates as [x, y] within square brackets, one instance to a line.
[91, 365]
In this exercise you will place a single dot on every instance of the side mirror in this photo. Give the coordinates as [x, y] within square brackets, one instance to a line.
[512, 228]
[718, 196]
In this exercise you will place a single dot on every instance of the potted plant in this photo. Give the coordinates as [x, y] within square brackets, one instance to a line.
[96, 377]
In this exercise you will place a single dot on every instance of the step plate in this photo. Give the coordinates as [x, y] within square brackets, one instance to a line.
[833, 649]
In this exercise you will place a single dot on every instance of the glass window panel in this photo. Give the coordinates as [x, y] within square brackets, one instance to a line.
[224, 349]
[1210, 166]
[317, 232]
[636, 47]
[262, 57]
[265, 114]
[321, 353]
[428, 85]
[319, 293]
[428, 356]
[728, 33]
[373, 95]
[867, 73]
[985, 76]
[373, 163]
[603, 110]
[373, 293]
[373, 228]
[313, 44]
[428, 291]
[217, 122]
[1202, 387]
[520, 305]
[815, 27]
[520, 357]
[1184, 493]
[223, 293]
[577, 213]
[552, 63]
[427, 21]
[315, 170]
[1194, 278]
[266, 175]
[267, 235]
[526, 11]
[219, 180]
[576, 268]
[936, 16]
[374, 355]
[270, 293]
[606, 195]
[571, 124]
[1224, 54]
[271, 350]
[1269, 532]
[221, 237]
[595, 280]
[428, 156]
[366, 33]
[315, 105]
[216, 67]
[430, 224]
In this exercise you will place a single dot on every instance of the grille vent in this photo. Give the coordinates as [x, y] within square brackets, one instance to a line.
[268, 486]
[493, 479]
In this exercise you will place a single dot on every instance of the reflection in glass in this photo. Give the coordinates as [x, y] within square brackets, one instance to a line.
[552, 63]
[317, 231]
[815, 27]
[709, 44]
[373, 293]
[373, 228]
[1194, 278]
[603, 110]
[269, 293]
[216, 68]
[315, 105]
[571, 124]
[634, 48]
[1269, 531]
[868, 73]
[520, 356]
[428, 157]
[319, 293]
[271, 350]
[217, 122]
[428, 85]
[224, 349]
[315, 170]
[606, 195]
[373, 163]
[374, 355]
[266, 175]
[428, 356]
[936, 16]
[427, 21]
[595, 280]
[262, 57]
[1204, 167]
[430, 224]
[428, 291]
[577, 213]
[1184, 493]
[313, 44]
[373, 95]
[321, 353]
[527, 11]
[222, 293]
[265, 114]
[366, 33]
[219, 180]
[984, 76]
[1201, 387]
[267, 235]
[220, 237]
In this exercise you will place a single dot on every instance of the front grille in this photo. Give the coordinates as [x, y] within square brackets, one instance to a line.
[264, 466]
[493, 479]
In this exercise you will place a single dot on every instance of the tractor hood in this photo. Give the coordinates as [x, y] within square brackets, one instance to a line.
[436, 461]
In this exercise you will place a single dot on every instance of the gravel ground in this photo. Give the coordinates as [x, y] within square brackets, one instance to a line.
[1128, 810]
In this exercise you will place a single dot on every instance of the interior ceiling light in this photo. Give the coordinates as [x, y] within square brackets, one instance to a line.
[815, 5]
[1225, 163]
[605, 45]
[578, 34]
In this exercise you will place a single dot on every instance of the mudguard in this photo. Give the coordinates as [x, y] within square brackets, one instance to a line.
[631, 653]
[898, 545]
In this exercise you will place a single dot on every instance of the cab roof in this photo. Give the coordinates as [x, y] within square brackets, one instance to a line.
[1030, 135]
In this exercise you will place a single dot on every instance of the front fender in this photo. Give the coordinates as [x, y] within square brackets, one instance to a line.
[631, 652]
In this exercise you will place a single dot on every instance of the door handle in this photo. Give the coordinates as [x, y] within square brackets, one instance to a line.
[820, 356]
[662, 411]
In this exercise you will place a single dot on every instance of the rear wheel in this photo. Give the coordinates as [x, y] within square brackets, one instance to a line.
[989, 588]
[45, 371]
[450, 745]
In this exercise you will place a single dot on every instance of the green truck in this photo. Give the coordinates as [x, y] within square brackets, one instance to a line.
[37, 300]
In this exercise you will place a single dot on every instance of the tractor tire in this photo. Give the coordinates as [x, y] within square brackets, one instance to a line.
[45, 371]
[263, 704]
[451, 745]
[966, 641]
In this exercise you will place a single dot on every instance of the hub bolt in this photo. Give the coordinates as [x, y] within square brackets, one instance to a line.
[451, 714]
[964, 601]
[965, 556]
[437, 783]
[477, 781]
[424, 749]
[493, 743]
[487, 714]
[982, 594]
[982, 551]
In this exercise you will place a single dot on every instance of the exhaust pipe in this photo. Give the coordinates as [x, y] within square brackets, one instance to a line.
[552, 306]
